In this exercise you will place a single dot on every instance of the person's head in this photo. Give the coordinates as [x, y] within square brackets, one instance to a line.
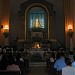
[4, 58]
[18, 57]
[53, 55]
[71, 53]
[74, 57]
[1, 53]
[11, 61]
[62, 54]
[58, 55]
[68, 61]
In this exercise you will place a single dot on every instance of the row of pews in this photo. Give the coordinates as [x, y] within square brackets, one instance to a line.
[10, 73]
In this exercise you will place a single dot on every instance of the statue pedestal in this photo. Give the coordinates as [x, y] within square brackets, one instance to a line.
[37, 55]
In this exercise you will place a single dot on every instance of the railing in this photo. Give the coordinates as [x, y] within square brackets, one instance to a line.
[53, 44]
[56, 45]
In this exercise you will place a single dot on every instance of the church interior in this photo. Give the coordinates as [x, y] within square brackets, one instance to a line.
[48, 26]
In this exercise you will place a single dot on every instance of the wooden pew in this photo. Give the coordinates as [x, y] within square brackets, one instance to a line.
[10, 73]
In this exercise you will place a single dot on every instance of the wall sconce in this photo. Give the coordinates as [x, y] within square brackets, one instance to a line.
[70, 30]
[6, 31]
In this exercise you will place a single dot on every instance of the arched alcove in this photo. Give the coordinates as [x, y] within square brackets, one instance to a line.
[40, 8]
[37, 21]
[31, 12]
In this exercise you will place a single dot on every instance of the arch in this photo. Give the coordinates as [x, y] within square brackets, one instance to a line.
[38, 5]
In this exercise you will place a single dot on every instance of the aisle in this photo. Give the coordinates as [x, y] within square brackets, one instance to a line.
[37, 70]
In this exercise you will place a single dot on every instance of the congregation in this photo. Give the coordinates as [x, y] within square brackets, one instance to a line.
[60, 63]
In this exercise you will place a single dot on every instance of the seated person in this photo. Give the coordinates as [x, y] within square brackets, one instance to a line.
[3, 62]
[11, 65]
[60, 63]
[73, 63]
[20, 63]
[68, 70]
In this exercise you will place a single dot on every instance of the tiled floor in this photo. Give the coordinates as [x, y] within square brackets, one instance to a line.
[37, 70]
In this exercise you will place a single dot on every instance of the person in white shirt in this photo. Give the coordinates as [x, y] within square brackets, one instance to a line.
[68, 70]
[73, 63]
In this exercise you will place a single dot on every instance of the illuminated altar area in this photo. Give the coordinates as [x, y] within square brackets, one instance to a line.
[36, 24]
[36, 20]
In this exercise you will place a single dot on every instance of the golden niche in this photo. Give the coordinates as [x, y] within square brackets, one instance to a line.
[37, 23]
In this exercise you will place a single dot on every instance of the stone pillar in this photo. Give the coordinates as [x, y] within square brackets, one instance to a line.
[71, 44]
[69, 19]
[71, 40]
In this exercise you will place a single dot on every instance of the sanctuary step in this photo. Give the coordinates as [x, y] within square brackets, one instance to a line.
[37, 64]
[37, 70]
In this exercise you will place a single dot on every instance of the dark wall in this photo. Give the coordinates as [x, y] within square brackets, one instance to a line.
[58, 29]
[59, 24]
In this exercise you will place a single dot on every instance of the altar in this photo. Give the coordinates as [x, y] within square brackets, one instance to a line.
[40, 51]
[37, 55]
